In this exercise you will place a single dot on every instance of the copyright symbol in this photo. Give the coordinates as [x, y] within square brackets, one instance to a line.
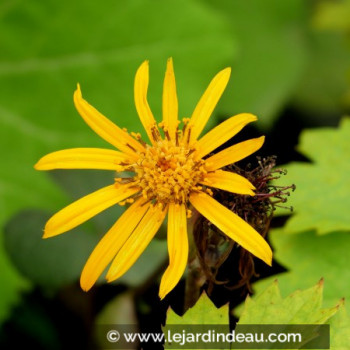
[113, 336]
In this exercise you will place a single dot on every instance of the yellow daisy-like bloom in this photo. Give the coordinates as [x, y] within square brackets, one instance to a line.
[168, 175]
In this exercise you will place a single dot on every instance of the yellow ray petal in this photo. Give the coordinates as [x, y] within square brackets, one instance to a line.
[137, 242]
[228, 181]
[206, 105]
[84, 158]
[85, 208]
[234, 153]
[111, 243]
[232, 225]
[177, 247]
[170, 105]
[104, 127]
[142, 106]
[222, 133]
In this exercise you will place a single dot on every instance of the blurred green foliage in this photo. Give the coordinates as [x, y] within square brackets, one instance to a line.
[48, 263]
[47, 47]
[333, 15]
[322, 91]
[325, 87]
[272, 52]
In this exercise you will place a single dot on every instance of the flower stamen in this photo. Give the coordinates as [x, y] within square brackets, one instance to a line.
[167, 172]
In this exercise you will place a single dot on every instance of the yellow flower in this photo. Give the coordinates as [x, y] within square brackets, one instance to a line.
[168, 175]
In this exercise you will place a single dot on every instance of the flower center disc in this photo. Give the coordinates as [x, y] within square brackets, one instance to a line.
[168, 172]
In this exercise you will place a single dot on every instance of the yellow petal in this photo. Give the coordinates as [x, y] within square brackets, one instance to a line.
[83, 158]
[104, 127]
[87, 207]
[234, 153]
[170, 105]
[228, 181]
[177, 247]
[137, 242]
[206, 105]
[222, 133]
[232, 225]
[111, 243]
[142, 106]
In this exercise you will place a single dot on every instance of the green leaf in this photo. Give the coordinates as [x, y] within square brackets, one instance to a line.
[49, 46]
[271, 56]
[300, 307]
[203, 312]
[340, 330]
[50, 262]
[309, 257]
[321, 200]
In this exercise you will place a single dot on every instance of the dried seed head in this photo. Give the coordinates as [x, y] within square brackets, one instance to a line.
[213, 247]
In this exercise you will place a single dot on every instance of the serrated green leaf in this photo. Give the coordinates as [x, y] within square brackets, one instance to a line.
[271, 55]
[309, 257]
[300, 307]
[340, 330]
[321, 200]
[203, 312]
